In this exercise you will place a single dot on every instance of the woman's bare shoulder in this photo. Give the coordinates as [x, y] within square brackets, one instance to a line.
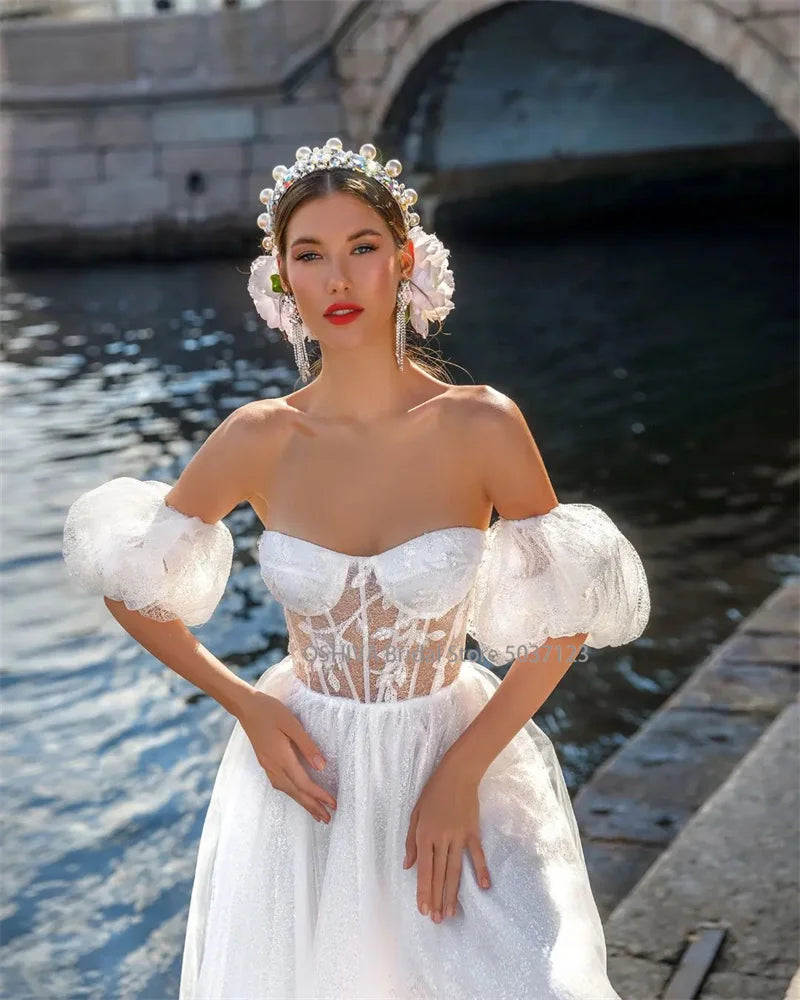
[489, 422]
[472, 415]
[503, 447]
[219, 476]
[274, 415]
[262, 430]
[479, 405]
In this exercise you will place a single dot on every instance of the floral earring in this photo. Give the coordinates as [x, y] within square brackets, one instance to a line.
[403, 299]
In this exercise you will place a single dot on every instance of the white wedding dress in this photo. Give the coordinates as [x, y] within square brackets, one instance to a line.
[284, 906]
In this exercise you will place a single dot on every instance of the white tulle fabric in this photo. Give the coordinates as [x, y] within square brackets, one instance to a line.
[285, 907]
[122, 541]
[557, 574]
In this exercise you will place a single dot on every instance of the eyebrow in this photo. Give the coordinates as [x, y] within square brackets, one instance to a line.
[355, 236]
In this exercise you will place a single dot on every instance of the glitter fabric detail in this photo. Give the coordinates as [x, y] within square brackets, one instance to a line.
[286, 908]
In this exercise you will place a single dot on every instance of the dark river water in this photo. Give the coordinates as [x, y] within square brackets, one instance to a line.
[658, 371]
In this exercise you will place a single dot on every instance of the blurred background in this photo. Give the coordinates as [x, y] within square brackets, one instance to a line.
[617, 184]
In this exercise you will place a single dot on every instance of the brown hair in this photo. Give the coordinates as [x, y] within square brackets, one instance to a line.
[321, 182]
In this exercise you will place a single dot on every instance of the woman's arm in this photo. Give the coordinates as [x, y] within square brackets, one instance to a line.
[177, 648]
[169, 554]
[445, 819]
[215, 481]
[549, 568]
[521, 694]
[518, 485]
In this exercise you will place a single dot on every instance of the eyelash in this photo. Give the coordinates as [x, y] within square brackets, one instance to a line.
[361, 246]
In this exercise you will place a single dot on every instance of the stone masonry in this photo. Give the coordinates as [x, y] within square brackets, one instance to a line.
[129, 135]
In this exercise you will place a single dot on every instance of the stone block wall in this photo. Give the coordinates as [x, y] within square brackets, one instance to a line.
[153, 136]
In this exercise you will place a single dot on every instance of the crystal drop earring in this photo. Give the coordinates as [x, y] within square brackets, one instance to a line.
[298, 337]
[403, 299]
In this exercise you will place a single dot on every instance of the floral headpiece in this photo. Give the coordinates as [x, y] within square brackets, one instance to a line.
[431, 294]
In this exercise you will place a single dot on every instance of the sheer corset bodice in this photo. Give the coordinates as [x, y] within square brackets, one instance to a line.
[375, 628]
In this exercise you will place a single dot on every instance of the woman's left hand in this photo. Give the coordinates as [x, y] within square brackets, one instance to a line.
[444, 821]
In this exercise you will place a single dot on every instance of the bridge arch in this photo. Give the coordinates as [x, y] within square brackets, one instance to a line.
[377, 57]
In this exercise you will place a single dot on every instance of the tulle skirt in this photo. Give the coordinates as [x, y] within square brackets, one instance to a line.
[284, 906]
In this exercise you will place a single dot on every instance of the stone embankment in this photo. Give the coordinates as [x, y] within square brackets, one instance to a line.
[691, 829]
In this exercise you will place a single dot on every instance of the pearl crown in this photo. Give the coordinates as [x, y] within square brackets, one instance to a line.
[326, 158]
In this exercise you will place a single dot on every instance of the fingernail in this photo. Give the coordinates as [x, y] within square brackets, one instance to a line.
[485, 881]
[319, 763]
[424, 909]
[451, 910]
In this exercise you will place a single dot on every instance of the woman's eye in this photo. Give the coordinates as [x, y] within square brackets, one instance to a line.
[361, 246]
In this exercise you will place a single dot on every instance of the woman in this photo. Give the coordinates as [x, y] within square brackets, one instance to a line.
[387, 820]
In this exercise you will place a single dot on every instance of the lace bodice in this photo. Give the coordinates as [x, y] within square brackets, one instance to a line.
[373, 628]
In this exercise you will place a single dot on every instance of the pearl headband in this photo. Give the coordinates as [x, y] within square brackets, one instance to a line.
[433, 285]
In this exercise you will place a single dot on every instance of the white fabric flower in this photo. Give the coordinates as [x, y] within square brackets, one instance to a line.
[432, 276]
[262, 291]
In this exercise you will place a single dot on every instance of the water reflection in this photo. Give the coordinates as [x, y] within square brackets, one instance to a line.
[658, 371]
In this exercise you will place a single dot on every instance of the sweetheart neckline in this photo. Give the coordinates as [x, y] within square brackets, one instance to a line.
[377, 555]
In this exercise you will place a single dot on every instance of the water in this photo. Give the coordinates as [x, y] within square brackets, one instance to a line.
[658, 371]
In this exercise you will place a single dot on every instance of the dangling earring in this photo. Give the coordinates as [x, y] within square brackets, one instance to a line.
[403, 299]
[297, 336]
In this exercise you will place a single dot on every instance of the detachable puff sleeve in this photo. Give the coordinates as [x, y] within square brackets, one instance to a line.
[122, 541]
[557, 574]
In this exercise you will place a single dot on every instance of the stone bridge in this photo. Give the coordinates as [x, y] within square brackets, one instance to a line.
[156, 132]
[757, 41]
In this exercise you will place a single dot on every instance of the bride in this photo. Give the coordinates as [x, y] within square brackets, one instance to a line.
[387, 821]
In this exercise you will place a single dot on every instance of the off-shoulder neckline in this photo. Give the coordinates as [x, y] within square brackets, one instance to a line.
[415, 538]
[376, 555]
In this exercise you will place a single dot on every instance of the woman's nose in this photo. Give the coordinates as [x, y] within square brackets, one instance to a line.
[337, 277]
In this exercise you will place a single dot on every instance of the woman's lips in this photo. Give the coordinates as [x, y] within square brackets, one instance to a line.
[346, 318]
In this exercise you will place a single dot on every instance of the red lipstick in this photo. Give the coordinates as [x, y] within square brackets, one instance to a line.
[354, 311]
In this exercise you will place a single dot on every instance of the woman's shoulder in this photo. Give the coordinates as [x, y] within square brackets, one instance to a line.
[273, 415]
[484, 408]
[486, 425]
[500, 441]
[251, 433]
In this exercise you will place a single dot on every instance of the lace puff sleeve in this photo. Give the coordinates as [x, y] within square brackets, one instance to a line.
[561, 573]
[122, 541]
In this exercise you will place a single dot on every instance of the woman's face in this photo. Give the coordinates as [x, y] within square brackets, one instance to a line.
[339, 249]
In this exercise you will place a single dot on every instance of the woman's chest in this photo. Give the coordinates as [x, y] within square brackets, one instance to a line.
[366, 493]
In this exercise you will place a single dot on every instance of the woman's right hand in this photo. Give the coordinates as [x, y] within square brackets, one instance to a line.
[272, 728]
